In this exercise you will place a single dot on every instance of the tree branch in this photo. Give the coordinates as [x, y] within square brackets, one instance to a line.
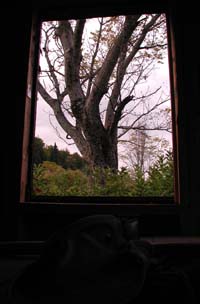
[77, 42]
[45, 95]
[91, 71]
[116, 89]
[118, 112]
[71, 43]
[70, 130]
[51, 68]
[101, 81]
[137, 45]
[145, 128]
[142, 115]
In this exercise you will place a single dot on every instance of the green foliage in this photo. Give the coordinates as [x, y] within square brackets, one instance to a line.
[63, 158]
[75, 161]
[161, 176]
[50, 179]
[39, 181]
[139, 182]
[105, 182]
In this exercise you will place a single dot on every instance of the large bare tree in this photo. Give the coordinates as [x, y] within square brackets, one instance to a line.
[89, 78]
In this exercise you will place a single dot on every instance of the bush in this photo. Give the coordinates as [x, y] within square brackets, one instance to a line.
[50, 179]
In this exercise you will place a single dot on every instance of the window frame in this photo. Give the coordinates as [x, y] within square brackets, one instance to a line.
[94, 204]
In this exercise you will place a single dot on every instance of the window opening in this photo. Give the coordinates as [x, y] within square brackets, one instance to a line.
[103, 123]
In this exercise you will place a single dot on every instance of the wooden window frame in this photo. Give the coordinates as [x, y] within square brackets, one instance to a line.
[106, 204]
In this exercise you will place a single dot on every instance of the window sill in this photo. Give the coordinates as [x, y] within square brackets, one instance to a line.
[117, 208]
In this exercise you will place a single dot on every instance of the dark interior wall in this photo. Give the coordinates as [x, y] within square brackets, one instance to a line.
[187, 26]
[16, 35]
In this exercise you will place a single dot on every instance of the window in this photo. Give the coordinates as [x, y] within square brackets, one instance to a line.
[99, 110]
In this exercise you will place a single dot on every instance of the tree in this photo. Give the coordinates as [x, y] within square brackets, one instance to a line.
[140, 188]
[90, 81]
[53, 153]
[38, 151]
[160, 176]
[142, 150]
[75, 161]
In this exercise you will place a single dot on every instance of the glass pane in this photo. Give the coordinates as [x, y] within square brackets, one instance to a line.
[103, 122]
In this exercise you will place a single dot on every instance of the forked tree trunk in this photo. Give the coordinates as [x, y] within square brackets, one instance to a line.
[103, 152]
[96, 140]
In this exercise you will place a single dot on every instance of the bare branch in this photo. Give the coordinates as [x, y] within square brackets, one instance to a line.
[51, 70]
[72, 49]
[141, 39]
[121, 70]
[150, 110]
[91, 71]
[118, 112]
[58, 133]
[159, 128]
[45, 95]
[116, 90]
[152, 46]
[77, 42]
[101, 82]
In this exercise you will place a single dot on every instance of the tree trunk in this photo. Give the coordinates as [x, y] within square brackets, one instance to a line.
[101, 144]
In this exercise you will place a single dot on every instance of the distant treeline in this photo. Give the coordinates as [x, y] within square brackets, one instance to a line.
[43, 152]
[59, 173]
